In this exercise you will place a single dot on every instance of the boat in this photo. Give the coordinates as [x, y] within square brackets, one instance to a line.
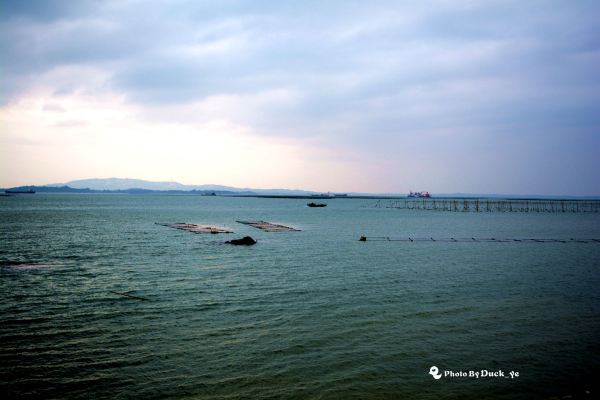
[16, 191]
[317, 205]
[419, 195]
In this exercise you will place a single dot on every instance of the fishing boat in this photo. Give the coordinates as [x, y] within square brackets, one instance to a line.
[317, 205]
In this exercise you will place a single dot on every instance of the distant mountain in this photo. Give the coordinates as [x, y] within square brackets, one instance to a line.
[124, 184]
[128, 184]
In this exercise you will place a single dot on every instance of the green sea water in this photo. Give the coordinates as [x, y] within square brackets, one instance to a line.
[314, 314]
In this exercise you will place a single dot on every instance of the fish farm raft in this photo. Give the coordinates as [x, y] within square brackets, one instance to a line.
[492, 205]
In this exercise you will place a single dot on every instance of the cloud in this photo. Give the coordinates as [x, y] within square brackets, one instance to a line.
[452, 83]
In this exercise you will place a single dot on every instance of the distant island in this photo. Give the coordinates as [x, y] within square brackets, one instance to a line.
[241, 193]
[139, 186]
[69, 189]
[117, 184]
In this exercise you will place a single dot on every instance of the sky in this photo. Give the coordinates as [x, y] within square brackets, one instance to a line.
[381, 97]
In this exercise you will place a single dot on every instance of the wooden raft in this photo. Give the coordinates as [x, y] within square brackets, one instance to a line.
[268, 227]
[194, 228]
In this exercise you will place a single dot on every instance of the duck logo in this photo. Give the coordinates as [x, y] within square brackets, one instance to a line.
[434, 371]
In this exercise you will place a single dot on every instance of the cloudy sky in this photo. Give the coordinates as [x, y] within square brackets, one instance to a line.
[445, 96]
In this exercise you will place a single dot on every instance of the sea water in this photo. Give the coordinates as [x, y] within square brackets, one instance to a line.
[310, 314]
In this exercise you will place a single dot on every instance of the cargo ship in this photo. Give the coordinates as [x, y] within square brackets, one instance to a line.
[419, 195]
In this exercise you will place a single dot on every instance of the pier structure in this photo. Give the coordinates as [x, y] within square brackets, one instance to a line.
[492, 205]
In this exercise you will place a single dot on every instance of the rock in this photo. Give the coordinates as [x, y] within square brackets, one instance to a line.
[245, 241]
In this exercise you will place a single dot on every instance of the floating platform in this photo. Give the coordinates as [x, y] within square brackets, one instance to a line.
[473, 240]
[194, 228]
[269, 227]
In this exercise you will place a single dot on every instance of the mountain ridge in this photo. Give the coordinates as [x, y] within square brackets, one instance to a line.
[130, 183]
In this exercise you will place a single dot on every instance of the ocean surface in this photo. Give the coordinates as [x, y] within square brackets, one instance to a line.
[314, 314]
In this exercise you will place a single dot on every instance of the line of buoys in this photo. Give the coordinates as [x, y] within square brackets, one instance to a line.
[476, 240]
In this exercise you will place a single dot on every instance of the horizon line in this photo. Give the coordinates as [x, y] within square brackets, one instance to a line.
[309, 192]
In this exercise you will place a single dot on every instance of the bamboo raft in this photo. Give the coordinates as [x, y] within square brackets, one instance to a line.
[474, 240]
[194, 228]
[492, 205]
[268, 227]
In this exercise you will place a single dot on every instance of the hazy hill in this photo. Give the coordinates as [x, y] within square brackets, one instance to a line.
[126, 183]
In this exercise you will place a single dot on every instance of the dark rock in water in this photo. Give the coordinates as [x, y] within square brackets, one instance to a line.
[245, 241]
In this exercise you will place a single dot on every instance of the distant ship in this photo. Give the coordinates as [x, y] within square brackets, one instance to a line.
[317, 205]
[420, 195]
[30, 191]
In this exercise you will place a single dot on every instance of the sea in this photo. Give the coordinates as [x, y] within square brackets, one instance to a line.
[310, 314]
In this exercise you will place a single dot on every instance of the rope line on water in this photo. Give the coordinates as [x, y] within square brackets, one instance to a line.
[475, 240]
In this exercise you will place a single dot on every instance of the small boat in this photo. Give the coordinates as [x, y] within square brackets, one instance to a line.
[317, 205]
